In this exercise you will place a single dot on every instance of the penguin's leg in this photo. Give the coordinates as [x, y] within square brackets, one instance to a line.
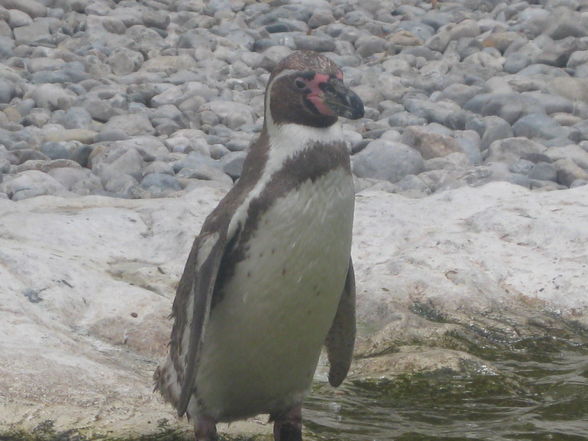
[288, 425]
[205, 428]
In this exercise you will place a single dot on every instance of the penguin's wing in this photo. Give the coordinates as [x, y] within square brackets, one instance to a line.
[203, 263]
[341, 337]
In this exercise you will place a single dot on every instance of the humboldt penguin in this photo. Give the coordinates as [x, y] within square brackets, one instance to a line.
[269, 279]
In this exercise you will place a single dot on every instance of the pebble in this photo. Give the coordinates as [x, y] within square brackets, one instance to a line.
[538, 125]
[509, 150]
[30, 183]
[160, 184]
[428, 143]
[232, 163]
[387, 160]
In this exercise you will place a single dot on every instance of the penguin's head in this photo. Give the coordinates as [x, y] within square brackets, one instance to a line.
[307, 88]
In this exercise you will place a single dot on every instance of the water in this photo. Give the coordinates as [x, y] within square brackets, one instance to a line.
[540, 395]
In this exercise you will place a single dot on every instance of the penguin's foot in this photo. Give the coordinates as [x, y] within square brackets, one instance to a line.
[288, 425]
[205, 429]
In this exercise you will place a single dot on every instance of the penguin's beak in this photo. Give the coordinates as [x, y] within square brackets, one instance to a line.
[342, 100]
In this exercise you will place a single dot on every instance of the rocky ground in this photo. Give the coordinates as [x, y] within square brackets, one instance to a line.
[158, 101]
[148, 99]
[87, 286]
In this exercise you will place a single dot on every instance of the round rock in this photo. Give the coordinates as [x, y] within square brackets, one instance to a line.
[387, 160]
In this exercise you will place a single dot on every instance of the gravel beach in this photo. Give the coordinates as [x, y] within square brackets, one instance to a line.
[154, 98]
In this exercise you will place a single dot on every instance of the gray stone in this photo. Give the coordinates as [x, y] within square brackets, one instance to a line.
[107, 134]
[566, 119]
[568, 172]
[311, 43]
[508, 106]
[429, 143]
[18, 18]
[320, 17]
[159, 167]
[582, 128]
[60, 150]
[5, 31]
[574, 89]
[521, 166]
[520, 57]
[30, 183]
[100, 110]
[564, 23]
[131, 124]
[412, 186]
[6, 47]
[157, 19]
[543, 171]
[460, 93]
[577, 58]
[204, 171]
[439, 41]
[7, 91]
[71, 178]
[469, 143]
[370, 45]
[150, 148]
[572, 152]
[231, 114]
[38, 30]
[118, 160]
[27, 154]
[538, 125]
[509, 150]
[32, 8]
[114, 25]
[452, 161]
[495, 128]
[533, 21]
[121, 185]
[551, 103]
[217, 151]
[446, 113]
[357, 17]
[233, 163]
[76, 118]
[403, 119]
[160, 183]
[388, 160]
[45, 166]
[464, 29]
[51, 96]
[124, 61]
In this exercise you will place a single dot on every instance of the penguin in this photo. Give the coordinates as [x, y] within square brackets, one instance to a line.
[269, 280]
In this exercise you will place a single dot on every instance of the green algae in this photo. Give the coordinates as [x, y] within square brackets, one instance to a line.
[538, 391]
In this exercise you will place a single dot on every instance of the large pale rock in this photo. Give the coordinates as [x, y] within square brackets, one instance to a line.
[498, 248]
[87, 284]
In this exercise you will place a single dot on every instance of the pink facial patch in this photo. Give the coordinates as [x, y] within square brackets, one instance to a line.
[316, 94]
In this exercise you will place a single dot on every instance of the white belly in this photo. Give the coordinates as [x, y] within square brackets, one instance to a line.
[264, 338]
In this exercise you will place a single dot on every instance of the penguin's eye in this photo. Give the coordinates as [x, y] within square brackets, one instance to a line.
[300, 83]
